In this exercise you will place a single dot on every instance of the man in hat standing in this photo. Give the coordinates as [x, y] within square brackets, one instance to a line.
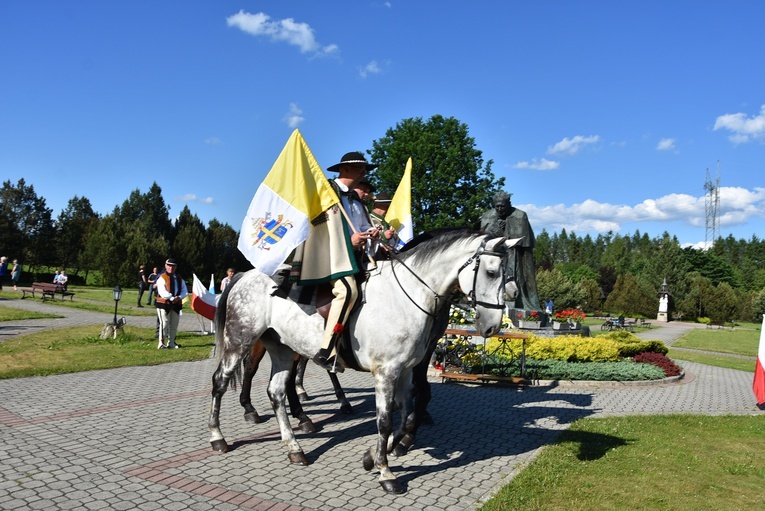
[171, 290]
[352, 168]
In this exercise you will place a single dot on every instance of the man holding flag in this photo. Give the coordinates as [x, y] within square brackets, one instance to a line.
[351, 170]
[296, 208]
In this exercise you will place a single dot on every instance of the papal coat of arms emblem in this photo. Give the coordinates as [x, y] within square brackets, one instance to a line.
[270, 231]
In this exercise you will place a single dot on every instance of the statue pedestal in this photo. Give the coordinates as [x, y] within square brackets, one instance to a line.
[663, 317]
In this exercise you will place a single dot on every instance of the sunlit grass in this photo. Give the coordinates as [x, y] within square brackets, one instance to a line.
[78, 349]
[675, 462]
[11, 314]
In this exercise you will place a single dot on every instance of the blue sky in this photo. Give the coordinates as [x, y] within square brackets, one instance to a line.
[600, 115]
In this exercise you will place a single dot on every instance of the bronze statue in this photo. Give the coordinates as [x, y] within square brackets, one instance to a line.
[505, 220]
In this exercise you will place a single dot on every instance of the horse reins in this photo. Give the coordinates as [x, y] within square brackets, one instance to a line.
[474, 301]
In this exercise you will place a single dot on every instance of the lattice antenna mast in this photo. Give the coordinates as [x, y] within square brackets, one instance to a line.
[712, 208]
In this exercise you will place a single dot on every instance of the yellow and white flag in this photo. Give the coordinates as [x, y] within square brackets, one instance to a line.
[399, 214]
[293, 194]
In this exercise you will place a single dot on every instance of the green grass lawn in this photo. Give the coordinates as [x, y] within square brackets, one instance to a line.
[11, 314]
[739, 341]
[80, 349]
[96, 299]
[644, 463]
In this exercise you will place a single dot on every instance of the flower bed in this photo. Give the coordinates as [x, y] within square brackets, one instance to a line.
[620, 356]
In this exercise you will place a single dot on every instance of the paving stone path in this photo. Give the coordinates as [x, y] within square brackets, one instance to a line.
[137, 438]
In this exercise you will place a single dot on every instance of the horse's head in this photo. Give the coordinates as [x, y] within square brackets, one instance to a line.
[482, 278]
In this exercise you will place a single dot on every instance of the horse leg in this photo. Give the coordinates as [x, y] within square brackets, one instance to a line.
[345, 405]
[227, 367]
[251, 364]
[296, 408]
[299, 375]
[282, 359]
[385, 388]
[404, 437]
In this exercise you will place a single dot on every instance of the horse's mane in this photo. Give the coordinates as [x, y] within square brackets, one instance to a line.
[436, 241]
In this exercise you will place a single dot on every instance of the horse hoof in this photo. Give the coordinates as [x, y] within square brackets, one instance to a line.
[368, 460]
[307, 426]
[219, 445]
[303, 397]
[252, 418]
[298, 458]
[392, 486]
[399, 450]
[346, 408]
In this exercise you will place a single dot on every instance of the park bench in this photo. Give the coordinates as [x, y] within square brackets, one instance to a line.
[645, 323]
[48, 289]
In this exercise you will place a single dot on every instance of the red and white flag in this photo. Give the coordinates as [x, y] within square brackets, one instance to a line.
[759, 370]
[203, 302]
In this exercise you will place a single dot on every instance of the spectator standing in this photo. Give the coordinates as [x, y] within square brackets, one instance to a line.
[3, 270]
[227, 279]
[171, 290]
[152, 281]
[143, 283]
[16, 273]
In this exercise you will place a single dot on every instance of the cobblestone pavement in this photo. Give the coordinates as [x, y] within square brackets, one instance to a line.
[137, 438]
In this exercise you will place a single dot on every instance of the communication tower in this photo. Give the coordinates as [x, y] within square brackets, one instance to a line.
[712, 208]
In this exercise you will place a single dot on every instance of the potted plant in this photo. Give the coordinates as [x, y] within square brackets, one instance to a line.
[568, 318]
[530, 320]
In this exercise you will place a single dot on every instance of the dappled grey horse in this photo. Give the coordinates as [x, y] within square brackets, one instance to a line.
[389, 333]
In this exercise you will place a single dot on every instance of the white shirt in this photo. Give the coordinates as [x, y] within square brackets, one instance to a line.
[355, 209]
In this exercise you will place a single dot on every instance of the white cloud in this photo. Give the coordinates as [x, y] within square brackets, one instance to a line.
[373, 68]
[294, 117]
[213, 141]
[535, 164]
[737, 207]
[190, 197]
[743, 129]
[286, 30]
[572, 145]
[666, 144]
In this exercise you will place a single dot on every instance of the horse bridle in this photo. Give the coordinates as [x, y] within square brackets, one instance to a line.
[476, 259]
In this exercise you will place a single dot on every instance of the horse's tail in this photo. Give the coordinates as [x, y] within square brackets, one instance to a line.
[220, 315]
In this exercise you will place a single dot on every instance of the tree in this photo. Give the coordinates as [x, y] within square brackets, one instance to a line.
[30, 232]
[71, 226]
[631, 297]
[563, 291]
[189, 243]
[721, 306]
[450, 185]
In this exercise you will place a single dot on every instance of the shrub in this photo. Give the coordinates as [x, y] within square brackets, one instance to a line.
[594, 371]
[629, 350]
[573, 349]
[659, 360]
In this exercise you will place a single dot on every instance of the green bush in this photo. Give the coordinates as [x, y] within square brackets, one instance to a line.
[631, 349]
[573, 349]
[596, 371]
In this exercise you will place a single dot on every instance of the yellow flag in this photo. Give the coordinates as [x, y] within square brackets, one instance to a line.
[399, 214]
[293, 193]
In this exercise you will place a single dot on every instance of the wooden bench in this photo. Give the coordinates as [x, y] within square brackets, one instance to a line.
[645, 323]
[25, 290]
[48, 289]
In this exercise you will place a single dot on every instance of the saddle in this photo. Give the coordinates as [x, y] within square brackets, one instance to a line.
[319, 296]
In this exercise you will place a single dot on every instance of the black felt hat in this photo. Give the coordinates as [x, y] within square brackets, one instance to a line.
[365, 182]
[351, 158]
[382, 198]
